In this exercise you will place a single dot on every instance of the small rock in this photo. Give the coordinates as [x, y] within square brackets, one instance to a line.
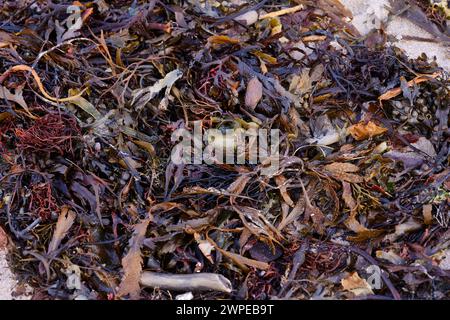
[263, 252]
[248, 18]
[185, 296]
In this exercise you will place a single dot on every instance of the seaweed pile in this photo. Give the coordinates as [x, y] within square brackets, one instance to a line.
[92, 92]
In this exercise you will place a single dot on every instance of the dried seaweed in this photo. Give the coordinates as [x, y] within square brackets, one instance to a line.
[91, 114]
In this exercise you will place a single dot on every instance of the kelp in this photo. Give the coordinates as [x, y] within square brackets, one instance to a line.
[97, 209]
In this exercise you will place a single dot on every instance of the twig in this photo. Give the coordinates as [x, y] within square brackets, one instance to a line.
[34, 224]
[281, 12]
[186, 282]
[240, 12]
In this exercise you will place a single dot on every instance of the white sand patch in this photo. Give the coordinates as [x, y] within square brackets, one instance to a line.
[368, 14]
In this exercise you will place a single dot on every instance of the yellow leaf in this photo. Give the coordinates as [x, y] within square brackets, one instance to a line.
[276, 25]
[147, 146]
[84, 104]
[265, 57]
[222, 40]
[361, 130]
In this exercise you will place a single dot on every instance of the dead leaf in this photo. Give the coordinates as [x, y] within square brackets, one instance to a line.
[206, 248]
[281, 183]
[340, 167]
[390, 256]
[136, 134]
[5, 115]
[317, 217]
[444, 258]
[355, 284]
[344, 172]
[296, 212]
[412, 158]
[425, 145]
[147, 146]
[132, 263]
[427, 213]
[254, 93]
[65, 221]
[16, 97]
[301, 84]
[361, 130]
[6, 39]
[164, 207]
[348, 198]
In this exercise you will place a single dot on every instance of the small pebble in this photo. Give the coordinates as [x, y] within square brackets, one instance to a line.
[248, 18]
[125, 175]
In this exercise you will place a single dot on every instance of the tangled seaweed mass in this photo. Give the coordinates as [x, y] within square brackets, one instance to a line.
[92, 93]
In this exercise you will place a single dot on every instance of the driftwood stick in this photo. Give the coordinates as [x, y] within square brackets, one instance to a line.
[186, 282]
